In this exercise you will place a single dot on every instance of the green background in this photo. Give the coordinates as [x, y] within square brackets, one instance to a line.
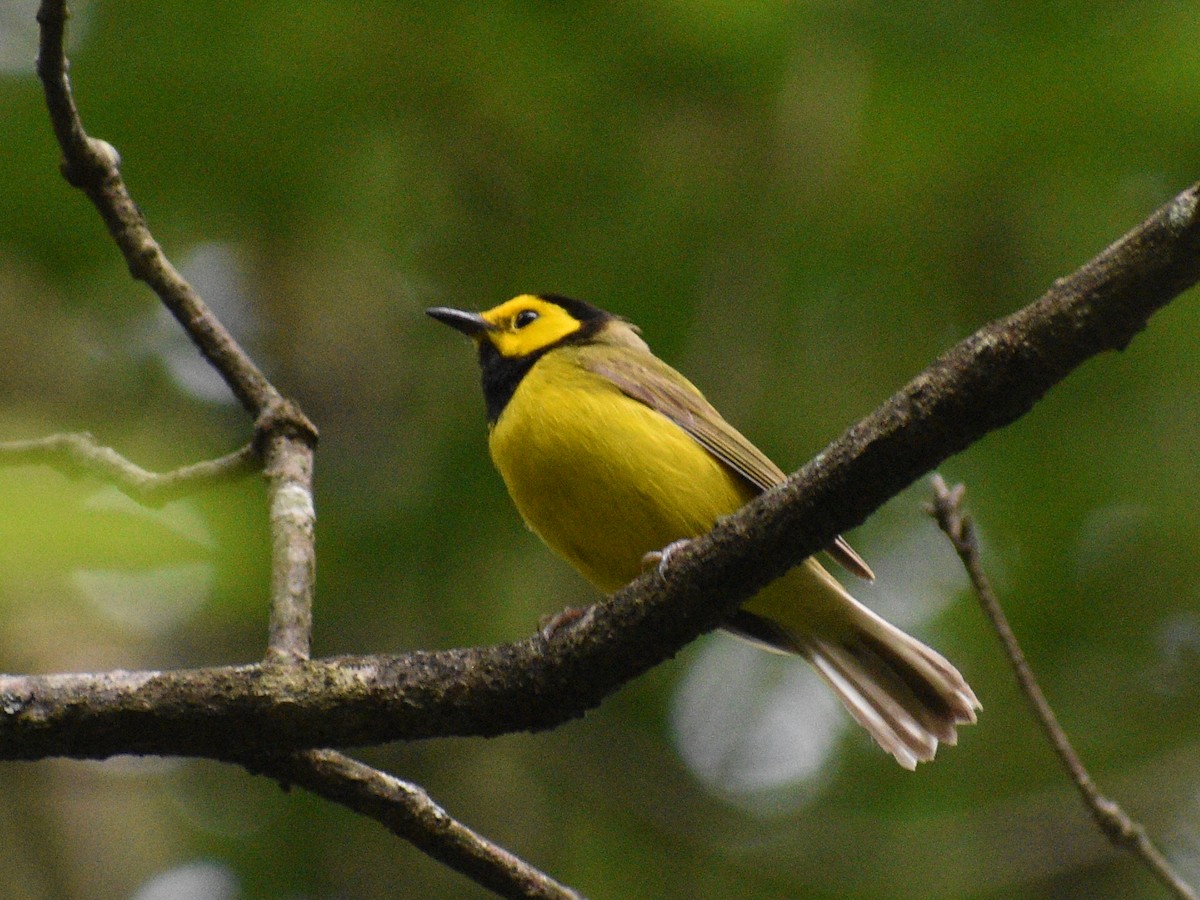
[801, 204]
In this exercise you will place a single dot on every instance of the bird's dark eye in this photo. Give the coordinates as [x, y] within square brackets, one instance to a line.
[524, 317]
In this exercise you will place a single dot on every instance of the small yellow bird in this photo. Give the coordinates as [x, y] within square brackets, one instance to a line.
[610, 455]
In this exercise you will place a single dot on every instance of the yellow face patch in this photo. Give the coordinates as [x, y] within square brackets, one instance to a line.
[527, 324]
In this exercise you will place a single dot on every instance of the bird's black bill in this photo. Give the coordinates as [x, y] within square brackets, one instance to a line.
[469, 323]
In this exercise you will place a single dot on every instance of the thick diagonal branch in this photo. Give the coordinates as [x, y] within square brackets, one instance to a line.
[985, 382]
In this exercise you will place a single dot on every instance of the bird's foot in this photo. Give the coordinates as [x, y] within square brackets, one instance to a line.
[551, 625]
[660, 558]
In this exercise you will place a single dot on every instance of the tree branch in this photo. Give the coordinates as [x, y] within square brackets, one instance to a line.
[286, 440]
[1112, 820]
[289, 473]
[77, 455]
[251, 711]
[409, 812]
[93, 166]
[985, 382]
[285, 434]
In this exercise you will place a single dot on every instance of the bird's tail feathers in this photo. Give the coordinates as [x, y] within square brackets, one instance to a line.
[905, 694]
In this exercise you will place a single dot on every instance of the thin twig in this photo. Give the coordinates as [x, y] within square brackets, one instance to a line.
[77, 455]
[1113, 821]
[93, 166]
[409, 812]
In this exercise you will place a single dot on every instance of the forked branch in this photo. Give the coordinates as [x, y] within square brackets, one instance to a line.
[285, 439]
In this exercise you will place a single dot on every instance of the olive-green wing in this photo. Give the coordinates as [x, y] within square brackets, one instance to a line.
[647, 379]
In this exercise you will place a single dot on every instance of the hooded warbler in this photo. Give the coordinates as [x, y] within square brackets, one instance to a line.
[610, 454]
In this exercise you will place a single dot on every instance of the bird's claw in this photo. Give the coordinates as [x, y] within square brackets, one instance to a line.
[552, 624]
[660, 558]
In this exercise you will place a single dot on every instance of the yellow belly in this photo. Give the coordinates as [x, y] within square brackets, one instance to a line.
[601, 478]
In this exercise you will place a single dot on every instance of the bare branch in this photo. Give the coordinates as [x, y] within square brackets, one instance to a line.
[985, 382]
[77, 455]
[285, 435]
[93, 166]
[1113, 821]
[409, 812]
[293, 549]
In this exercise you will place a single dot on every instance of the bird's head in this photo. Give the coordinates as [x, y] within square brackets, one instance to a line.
[527, 325]
[513, 336]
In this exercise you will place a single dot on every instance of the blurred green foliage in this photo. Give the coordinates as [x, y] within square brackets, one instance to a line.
[801, 204]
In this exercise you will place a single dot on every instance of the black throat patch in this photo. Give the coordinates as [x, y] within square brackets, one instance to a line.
[502, 374]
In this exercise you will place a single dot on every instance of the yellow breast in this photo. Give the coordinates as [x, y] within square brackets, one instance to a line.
[601, 478]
